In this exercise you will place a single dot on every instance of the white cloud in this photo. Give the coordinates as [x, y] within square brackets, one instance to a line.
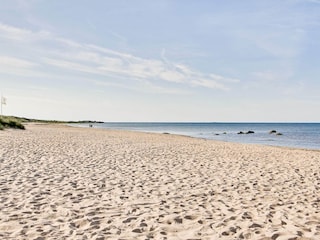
[76, 57]
[172, 76]
[12, 62]
[71, 65]
[20, 34]
[209, 84]
[108, 51]
[68, 42]
[18, 67]
[14, 33]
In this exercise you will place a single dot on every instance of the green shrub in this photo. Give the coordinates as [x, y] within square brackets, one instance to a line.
[15, 124]
[9, 122]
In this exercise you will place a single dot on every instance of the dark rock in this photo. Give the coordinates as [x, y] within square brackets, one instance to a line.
[272, 131]
[279, 134]
[250, 132]
[240, 132]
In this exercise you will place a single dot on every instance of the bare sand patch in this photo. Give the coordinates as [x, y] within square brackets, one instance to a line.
[60, 182]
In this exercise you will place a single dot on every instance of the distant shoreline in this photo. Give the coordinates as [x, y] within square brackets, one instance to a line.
[292, 135]
[218, 130]
[25, 120]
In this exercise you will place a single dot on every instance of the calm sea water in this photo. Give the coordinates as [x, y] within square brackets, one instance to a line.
[299, 135]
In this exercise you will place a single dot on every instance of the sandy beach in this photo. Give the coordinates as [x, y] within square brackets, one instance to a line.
[60, 182]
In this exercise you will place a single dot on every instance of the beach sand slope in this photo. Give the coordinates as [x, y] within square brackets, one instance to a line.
[59, 182]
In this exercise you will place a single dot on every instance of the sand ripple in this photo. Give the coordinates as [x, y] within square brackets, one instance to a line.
[60, 182]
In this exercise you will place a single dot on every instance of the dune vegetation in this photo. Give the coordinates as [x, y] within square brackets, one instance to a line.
[10, 122]
[17, 122]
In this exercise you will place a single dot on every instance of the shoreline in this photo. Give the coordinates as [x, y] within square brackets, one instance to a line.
[66, 182]
[189, 136]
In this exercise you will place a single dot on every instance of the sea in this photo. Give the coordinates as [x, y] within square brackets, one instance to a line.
[296, 135]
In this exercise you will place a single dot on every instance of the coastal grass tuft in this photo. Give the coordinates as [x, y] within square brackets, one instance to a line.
[10, 122]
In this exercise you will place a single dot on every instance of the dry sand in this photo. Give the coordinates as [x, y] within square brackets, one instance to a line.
[60, 182]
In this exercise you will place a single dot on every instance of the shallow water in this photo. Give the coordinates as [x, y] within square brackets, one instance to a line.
[299, 135]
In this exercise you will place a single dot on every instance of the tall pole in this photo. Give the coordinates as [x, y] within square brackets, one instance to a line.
[3, 102]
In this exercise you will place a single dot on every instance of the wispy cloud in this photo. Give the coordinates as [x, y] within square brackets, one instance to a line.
[76, 57]
[13, 32]
[18, 67]
[6, 61]
[20, 34]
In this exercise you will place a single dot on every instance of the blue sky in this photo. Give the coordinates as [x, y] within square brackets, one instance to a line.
[161, 60]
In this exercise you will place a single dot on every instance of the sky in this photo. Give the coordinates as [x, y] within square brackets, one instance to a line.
[161, 60]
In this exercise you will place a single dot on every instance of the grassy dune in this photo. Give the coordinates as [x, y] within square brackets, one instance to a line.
[10, 122]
